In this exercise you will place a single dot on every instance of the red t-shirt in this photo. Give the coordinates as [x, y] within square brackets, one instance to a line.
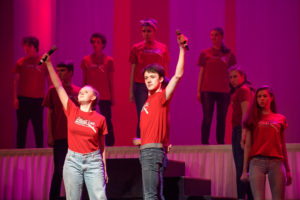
[154, 120]
[241, 94]
[267, 137]
[143, 54]
[32, 77]
[84, 129]
[98, 74]
[58, 117]
[215, 75]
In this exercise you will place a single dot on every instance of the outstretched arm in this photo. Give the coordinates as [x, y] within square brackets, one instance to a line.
[179, 68]
[56, 82]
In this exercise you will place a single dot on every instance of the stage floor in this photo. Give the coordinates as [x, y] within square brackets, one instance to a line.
[27, 173]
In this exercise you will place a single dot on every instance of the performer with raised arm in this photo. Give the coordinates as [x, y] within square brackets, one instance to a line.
[85, 160]
[154, 124]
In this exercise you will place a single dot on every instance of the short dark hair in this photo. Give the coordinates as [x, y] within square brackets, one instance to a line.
[156, 68]
[31, 40]
[219, 29]
[101, 37]
[67, 64]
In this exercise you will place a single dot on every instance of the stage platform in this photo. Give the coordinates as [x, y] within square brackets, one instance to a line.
[26, 174]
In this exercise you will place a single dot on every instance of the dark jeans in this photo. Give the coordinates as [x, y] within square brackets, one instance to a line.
[30, 109]
[153, 162]
[140, 92]
[60, 149]
[105, 109]
[208, 101]
[243, 188]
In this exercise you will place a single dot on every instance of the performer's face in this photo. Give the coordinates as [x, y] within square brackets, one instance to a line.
[264, 99]
[153, 81]
[86, 95]
[29, 49]
[97, 44]
[64, 74]
[148, 33]
[216, 37]
[236, 78]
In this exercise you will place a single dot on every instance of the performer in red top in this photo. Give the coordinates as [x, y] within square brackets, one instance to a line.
[57, 124]
[213, 84]
[265, 147]
[98, 70]
[241, 96]
[29, 90]
[142, 54]
[85, 160]
[154, 124]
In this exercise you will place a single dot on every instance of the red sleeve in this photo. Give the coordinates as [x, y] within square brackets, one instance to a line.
[132, 56]
[202, 59]
[83, 63]
[71, 107]
[103, 128]
[16, 68]
[111, 65]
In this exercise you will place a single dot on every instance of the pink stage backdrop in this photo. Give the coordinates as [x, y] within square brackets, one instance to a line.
[263, 34]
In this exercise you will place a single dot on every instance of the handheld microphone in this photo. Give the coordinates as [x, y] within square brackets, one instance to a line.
[186, 46]
[51, 51]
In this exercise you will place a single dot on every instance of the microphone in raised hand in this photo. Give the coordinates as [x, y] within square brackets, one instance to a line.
[185, 44]
[51, 51]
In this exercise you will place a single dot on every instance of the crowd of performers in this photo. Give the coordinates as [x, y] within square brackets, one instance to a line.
[79, 134]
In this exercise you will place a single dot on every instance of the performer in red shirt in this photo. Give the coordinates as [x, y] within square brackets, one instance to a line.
[85, 160]
[57, 124]
[265, 149]
[154, 124]
[241, 96]
[142, 54]
[29, 90]
[213, 84]
[98, 70]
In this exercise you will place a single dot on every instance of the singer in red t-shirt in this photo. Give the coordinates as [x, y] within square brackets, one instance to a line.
[154, 124]
[98, 70]
[85, 160]
[265, 149]
[29, 90]
[142, 54]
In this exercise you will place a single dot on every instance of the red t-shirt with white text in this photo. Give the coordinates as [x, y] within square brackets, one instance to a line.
[84, 129]
[143, 54]
[58, 118]
[215, 76]
[32, 77]
[154, 119]
[267, 137]
[98, 75]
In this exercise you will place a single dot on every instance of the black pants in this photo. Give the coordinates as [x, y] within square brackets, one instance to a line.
[30, 109]
[105, 109]
[208, 101]
[243, 188]
[60, 149]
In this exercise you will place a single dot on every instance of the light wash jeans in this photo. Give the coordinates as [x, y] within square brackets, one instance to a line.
[153, 162]
[84, 167]
[259, 168]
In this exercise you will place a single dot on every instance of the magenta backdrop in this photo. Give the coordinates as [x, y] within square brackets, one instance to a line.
[263, 34]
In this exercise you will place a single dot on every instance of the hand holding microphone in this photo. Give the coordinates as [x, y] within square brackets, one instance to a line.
[51, 51]
[182, 40]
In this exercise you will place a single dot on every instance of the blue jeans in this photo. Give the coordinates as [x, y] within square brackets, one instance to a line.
[238, 155]
[84, 167]
[208, 102]
[259, 168]
[153, 162]
[140, 92]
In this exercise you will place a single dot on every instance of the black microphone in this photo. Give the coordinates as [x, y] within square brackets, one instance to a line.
[186, 46]
[49, 53]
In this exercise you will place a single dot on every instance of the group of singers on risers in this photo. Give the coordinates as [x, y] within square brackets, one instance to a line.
[79, 134]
